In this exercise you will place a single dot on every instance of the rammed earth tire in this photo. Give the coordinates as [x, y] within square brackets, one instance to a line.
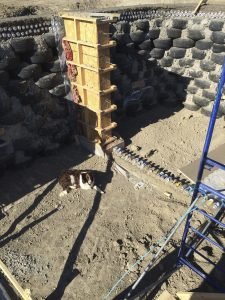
[207, 65]
[153, 33]
[195, 73]
[198, 54]
[50, 39]
[201, 83]
[207, 93]
[176, 52]
[214, 77]
[137, 36]
[30, 71]
[174, 33]
[157, 53]
[204, 44]
[179, 23]
[218, 37]
[200, 101]
[195, 34]
[207, 110]
[218, 48]
[146, 45]
[142, 25]
[22, 45]
[217, 58]
[216, 25]
[183, 43]
[165, 43]
[166, 61]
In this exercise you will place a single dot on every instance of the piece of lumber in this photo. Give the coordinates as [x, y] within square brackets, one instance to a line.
[199, 5]
[200, 296]
[24, 294]
[166, 296]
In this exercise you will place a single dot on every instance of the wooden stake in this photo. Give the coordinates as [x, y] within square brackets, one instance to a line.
[200, 296]
[24, 294]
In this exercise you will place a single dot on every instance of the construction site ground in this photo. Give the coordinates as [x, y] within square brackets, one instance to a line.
[78, 246]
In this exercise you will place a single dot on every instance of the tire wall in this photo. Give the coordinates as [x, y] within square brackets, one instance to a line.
[172, 59]
[34, 117]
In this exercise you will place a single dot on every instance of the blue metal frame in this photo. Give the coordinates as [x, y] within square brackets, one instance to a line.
[184, 255]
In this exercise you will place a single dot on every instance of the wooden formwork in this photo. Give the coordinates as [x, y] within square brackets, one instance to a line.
[87, 48]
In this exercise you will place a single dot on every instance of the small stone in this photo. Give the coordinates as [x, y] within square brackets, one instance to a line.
[168, 194]
[135, 148]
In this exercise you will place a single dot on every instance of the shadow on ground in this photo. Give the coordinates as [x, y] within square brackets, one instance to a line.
[15, 184]
[70, 272]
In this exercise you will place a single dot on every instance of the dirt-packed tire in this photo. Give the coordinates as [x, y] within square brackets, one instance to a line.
[153, 33]
[30, 71]
[190, 105]
[209, 94]
[142, 25]
[166, 61]
[122, 26]
[218, 37]
[198, 54]
[146, 45]
[165, 43]
[195, 73]
[143, 53]
[195, 34]
[179, 23]
[5, 102]
[218, 48]
[119, 37]
[201, 83]
[218, 58]
[216, 25]
[4, 78]
[50, 39]
[174, 33]
[186, 62]
[49, 81]
[207, 65]
[22, 45]
[214, 77]
[137, 36]
[200, 101]
[157, 53]
[176, 52]
[204, 44]
[192, 89]
[183, 43]
[40, 57]
[58, 91]
[207, 110]
[53, 66]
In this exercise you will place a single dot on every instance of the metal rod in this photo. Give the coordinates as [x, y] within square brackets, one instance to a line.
[202, 274]
[173, 231]
[207, 238]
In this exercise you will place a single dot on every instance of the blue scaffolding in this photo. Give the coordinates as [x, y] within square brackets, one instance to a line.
[214, 222]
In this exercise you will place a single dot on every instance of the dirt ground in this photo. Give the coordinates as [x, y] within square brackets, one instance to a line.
[26, 7]
[77, 247]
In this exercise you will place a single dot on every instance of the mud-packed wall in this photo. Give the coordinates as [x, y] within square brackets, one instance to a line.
[170, 58]
[34, 117]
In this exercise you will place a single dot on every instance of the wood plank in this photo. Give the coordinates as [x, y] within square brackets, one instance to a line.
[166, 296]
[24, 294]
[200, 296]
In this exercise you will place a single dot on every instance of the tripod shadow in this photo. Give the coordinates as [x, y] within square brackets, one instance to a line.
[69, 273]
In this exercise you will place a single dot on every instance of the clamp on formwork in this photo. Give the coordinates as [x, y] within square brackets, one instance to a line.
[87, 49]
